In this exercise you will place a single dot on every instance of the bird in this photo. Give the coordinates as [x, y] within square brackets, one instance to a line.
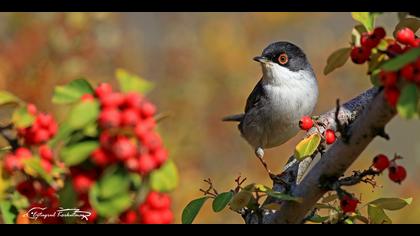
[287, 91]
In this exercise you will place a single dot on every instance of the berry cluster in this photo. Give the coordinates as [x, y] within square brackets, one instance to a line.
[156, 209]
[34, 137]
[127, 131]
[42, 129]
[306, 123]
[396, 173]
[348, 203]
[404, 41]
[127, 137]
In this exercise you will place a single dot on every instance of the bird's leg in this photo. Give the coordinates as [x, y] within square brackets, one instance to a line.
[259, 152]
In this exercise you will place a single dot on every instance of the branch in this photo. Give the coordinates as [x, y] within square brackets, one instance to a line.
[366, 117]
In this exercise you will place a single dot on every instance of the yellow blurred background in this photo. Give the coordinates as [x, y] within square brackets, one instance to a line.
[202, 66]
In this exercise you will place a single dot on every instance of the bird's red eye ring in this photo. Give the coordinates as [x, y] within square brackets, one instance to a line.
[283, 59]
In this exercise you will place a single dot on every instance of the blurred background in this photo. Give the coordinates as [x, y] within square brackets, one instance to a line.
[203, 68]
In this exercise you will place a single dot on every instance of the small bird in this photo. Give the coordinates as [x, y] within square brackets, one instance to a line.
[287, 91]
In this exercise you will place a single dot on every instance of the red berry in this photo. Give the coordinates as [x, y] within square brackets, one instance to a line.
[397, 173]
[379, 32]
[147, 109]
[129, 117]
[27, 189]
[87, 97]
[53, 129]
[103, 90]
[146, 164]
[105, 139]
[82, 183]
[391, 95]
[133, 100]
[44, 120]
[123, 148]
[109, 118]
[406, 36]
[46, 165]
[112, 100]
[129, 217]
[360, 55]
[348, 204]
[160, 155]
[11, 163]
[100, 157]
[31, 109]
[417, 65]
[152, 217]
[167, 216]
[381, 162]
[152, 141]
[388, 79]
[329, 136]
[158, 201]
[369, 41]
[306, 123]
[394, 49]
[40, 136]
[408, 72]
[46, 153]
[144, 127]
[132, 164]
[23, 153]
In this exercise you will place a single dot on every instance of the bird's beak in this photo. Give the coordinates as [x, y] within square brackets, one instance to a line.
[261, 59]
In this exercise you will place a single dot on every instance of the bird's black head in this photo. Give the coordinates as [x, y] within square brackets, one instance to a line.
[285, 54]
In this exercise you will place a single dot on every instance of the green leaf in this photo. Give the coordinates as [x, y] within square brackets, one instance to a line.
[8, 212]
[400, 61]
[68, 199]
[407, 102]
[132, 83]
[411, 23]
[191, 210]
[377, 215]
[221, 201]
[391, 204]
[307, 147]
[337, 59]
[67, 195]
[71, 92]
[6, 97]
[366, 18]
[241, 200]
[109, 207]
[356, 34]
[114, 181]
[83, 113]
[64, 132]
[22, 118]
[33, 167]
[164, 179]
[6, 112]
[77, 153]
[318, 219]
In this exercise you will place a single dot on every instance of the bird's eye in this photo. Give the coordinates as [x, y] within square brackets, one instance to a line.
[283, 59]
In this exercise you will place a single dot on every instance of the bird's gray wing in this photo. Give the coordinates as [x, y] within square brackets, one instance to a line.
[254, 102]
[255, 97]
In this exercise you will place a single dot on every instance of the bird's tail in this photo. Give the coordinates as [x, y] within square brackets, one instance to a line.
[237, 117]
